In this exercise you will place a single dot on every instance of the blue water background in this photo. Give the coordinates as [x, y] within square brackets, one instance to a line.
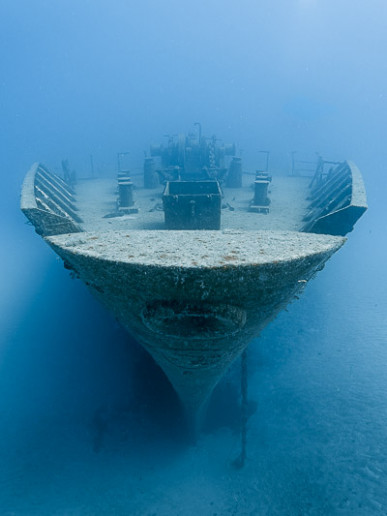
[88, 424]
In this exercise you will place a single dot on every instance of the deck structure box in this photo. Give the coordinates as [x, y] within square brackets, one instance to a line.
[192, 204]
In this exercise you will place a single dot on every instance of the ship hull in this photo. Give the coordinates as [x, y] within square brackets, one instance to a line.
[195, 315]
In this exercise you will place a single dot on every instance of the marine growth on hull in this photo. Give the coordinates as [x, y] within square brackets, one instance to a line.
[194, 254]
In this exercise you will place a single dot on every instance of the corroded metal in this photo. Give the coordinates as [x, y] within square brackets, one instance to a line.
[337, 201]
[195, 308]
[193, 296]
[125, 193]
[261, 201]
[192, 205]
[192, 157]
[48, 202]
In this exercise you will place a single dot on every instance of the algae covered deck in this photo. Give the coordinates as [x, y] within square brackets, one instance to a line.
[97, 198]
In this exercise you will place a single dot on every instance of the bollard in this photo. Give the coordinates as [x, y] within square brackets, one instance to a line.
[260, 192]
[260, 203]
[125, 193]
[262, 175]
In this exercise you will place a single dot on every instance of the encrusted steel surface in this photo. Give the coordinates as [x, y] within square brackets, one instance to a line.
[195, 299]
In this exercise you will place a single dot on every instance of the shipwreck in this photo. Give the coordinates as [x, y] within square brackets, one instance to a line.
[195, 255]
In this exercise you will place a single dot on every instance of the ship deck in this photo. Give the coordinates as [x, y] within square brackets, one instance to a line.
[97, 198]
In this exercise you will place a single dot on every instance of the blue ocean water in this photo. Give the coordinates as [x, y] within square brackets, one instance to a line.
[88, 423]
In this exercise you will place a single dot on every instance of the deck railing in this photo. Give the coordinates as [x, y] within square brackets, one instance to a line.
[49, 202]
[337, 200]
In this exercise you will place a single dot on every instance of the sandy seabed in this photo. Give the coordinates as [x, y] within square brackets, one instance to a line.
[315, 437]
[89, 426]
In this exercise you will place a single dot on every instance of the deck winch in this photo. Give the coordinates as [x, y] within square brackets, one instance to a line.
[189, 158]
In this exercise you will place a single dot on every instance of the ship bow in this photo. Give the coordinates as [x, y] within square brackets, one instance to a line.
[195, 299]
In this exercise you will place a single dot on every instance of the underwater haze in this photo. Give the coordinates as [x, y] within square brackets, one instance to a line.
[89, 425]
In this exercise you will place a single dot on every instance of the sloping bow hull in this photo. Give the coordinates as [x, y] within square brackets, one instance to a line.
[195, 299]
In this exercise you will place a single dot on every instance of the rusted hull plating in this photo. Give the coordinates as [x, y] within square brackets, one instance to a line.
[195, 321]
